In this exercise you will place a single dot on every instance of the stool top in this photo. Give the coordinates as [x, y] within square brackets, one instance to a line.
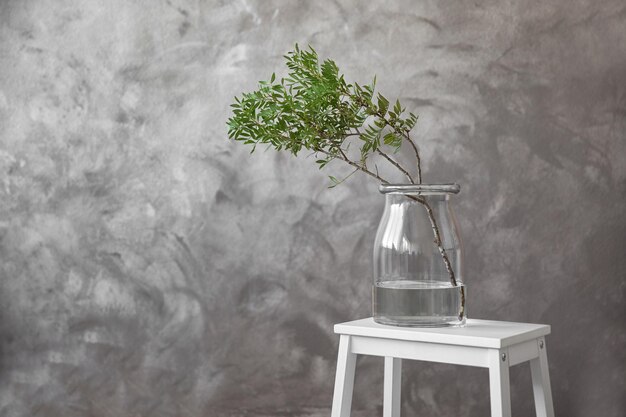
[479, 333]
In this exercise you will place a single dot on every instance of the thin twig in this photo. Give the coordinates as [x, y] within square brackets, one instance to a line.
[442, 251]
[431, 216]
[396, 164]
[352, 163]
[437, 236]
[402, 133]
[419, 199]
[417, 157]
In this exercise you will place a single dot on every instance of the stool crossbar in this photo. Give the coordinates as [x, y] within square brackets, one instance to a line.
[495, 345]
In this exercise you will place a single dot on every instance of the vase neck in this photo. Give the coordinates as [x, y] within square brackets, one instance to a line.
[432, 199]
[419, 189]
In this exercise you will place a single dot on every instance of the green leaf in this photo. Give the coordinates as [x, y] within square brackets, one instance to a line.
[389, 139]
[335, 181]
[322, 162]
[383, 104]
[410, 122]
[397, 108]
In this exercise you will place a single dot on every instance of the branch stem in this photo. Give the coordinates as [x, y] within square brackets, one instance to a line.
[403, 133]
[429, 210]
[431, 216]
[417, 157]
[343, 157]
[396, 164]
[442, 251]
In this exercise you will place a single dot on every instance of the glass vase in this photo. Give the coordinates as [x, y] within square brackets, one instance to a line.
[418, 258]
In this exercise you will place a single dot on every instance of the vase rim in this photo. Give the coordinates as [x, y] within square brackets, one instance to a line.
[419, 189]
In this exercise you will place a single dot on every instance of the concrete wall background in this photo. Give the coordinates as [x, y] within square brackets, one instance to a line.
[152, 268]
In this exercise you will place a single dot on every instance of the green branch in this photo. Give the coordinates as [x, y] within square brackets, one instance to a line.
[314, 108]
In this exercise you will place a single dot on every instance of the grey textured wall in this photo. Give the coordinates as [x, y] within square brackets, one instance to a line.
[149, 267]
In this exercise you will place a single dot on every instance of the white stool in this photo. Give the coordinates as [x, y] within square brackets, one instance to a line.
[496, 345]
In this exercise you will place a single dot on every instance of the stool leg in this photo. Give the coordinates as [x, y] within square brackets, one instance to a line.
[541, 382]
[499, 383]
[344, 379]
[393, 377]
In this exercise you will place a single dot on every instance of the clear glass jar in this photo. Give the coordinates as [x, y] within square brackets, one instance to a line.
[418, 259]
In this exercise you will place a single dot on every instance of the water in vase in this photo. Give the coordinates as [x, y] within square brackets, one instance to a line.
[417, 303]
